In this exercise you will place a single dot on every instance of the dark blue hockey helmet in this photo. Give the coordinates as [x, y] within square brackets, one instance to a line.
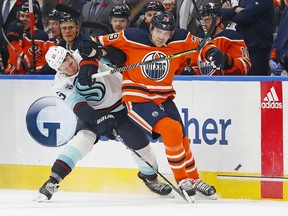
[54, 15]
[164, 20]
[68, 14]
[209, 9]
[67, 17]
[154, 6]
[25, 7]
[120, 10]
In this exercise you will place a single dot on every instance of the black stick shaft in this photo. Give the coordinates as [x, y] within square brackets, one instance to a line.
[119, 139]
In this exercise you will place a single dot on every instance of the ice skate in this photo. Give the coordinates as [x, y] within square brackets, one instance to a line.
[205, 190]
[187, 188]
[47, 190]
[156, 186]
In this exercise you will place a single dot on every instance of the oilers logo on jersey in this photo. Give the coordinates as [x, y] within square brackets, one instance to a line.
[156, 71]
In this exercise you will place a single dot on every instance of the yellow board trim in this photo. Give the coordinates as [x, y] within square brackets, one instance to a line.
[111, 180]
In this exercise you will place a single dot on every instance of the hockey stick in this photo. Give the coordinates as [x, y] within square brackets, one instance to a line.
[32, 32]
[198, 16]
[205, 40]
[120, 139]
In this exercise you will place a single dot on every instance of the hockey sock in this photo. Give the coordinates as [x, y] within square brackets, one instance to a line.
[148, 154]
[171, 132]
[191, 167]
[78, 147]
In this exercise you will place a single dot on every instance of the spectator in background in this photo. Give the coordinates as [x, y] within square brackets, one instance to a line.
[47, 7]
[230, 42]
[279, 54]
[149, 10]
[23, 59]
[8, 16]
[256, 24]
[120, 17]
[54, 25]
[54, 34]
[70, 30]
[185, 14]
[136, 9]
[97, 11]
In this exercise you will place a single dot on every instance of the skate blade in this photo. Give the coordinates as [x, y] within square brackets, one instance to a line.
[169, 196]
[40, 198]
[201, 196]
[190, 199]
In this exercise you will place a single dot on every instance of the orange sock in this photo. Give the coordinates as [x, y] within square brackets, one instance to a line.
[171, 132]
[191, 167]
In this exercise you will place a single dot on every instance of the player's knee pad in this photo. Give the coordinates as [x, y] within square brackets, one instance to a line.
[84, 141]
[168, 126]
[78, 147]
[148, 154]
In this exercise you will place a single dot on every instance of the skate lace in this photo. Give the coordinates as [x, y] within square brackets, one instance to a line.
[202, 186]
[157, 185]
[186, 184]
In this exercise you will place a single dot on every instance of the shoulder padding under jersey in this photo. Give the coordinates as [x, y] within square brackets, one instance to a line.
[179, 34]
[137, 35]
[40, 35]
[231, 34]
[116, 56]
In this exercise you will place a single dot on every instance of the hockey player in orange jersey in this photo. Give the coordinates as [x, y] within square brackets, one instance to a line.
[230, 42]
[20, 49]
[148, 91]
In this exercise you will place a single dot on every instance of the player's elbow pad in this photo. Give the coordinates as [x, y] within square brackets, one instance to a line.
[116, 56]
[84, 112]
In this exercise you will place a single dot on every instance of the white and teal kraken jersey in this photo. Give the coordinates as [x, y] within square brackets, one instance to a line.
[104, 94]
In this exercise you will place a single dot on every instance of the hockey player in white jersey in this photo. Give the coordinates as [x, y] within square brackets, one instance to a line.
[100, 112]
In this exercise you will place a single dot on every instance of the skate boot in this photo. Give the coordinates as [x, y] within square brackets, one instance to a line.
[47, 190]
[156, 186]
[205, 189]
[187, 188]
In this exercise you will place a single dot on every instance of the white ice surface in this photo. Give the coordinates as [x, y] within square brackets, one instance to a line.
[19, 202]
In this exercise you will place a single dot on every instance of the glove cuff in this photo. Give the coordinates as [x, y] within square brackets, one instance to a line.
[88, 62]
[228, 62]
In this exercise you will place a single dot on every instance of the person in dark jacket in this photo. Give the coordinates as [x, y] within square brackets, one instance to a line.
[279, 53]
[254, 21]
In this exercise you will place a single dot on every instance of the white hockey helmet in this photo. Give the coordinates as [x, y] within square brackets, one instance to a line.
[55, 56]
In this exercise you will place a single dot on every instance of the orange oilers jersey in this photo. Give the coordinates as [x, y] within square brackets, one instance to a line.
[24, 53]
[232, 43]
[151, 82]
